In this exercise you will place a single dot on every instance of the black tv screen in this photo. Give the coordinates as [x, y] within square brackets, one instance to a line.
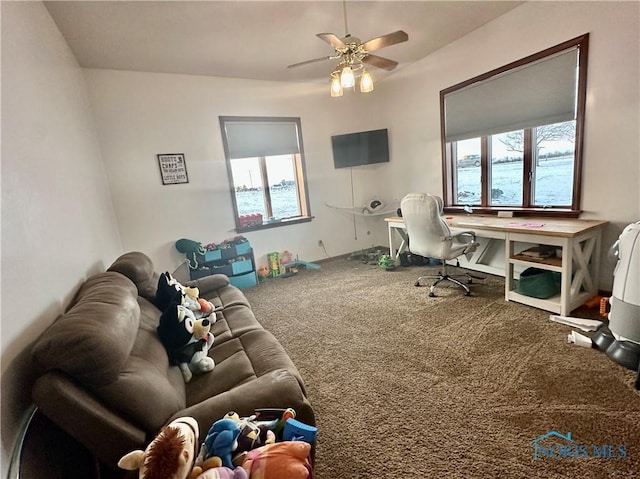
[362, 148]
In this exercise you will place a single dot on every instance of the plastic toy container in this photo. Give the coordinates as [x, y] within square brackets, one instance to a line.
[243, 281]
[227, 253]
[234, 268]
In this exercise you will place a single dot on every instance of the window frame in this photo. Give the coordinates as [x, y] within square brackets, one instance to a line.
[299, 169]
[526, 209]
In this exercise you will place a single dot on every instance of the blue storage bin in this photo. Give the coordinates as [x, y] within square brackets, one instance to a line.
[244, 281]
[212, 255]
[228, 253]
[239, 267]
[233, 268]
[235, 251]
[243, 248]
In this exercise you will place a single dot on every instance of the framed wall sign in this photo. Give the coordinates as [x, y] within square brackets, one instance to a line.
[173, 168]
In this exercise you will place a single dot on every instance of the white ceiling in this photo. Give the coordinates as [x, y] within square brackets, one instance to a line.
[255, 39]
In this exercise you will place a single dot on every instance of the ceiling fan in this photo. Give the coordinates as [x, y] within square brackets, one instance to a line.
[353, 54]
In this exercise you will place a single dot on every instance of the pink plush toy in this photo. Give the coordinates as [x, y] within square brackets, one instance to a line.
[224, 473]
[288, 459]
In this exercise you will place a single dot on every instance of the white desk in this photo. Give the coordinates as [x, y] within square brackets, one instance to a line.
[579, 241]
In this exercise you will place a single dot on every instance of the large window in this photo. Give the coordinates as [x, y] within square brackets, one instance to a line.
[512, 138]
[265, 163]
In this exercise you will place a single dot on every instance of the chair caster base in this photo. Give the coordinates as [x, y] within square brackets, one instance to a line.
[432, 295]
[417, 284]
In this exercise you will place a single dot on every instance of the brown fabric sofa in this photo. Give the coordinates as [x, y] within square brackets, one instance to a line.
[105, 378]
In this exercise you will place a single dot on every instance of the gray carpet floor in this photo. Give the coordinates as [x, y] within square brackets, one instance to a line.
[404, 385]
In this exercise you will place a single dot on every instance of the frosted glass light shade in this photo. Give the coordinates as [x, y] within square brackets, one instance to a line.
[347, 79]
[366, 82]
[336, 87]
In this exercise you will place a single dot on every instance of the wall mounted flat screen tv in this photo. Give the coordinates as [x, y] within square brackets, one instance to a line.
[362, 148]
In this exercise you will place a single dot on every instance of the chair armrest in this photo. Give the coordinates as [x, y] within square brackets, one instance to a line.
[460, 232]
[106, 434]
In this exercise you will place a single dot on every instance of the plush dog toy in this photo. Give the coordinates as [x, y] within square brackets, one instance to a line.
[201, 307]
[169, 456]
[167, 291]
[186, 339]
[170, 290]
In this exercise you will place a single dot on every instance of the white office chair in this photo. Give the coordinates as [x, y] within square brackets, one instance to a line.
[430, 236]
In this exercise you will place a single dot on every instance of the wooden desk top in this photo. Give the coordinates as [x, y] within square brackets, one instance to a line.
[562, 227]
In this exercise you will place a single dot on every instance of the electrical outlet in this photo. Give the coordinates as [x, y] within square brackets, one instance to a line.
[320, 244]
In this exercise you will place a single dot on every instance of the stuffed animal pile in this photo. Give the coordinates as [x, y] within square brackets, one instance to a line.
[185, 326]
[169, 456]
[219, 456]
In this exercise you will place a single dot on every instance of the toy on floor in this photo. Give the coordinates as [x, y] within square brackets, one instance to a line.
[169, 456]
[386, 262]
[187, 340]
[275, 264]
[263, 273]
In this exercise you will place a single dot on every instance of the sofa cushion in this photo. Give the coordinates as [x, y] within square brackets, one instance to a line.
[232, 322]
[138, 268]
[238, 361]
[93, 339]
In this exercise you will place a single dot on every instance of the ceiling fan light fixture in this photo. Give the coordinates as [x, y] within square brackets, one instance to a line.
[366, 82]
[336, 87]
[347, 80]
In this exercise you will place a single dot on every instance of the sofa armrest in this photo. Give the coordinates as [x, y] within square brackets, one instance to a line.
[278, 389]
[107, 435]
[208, 284]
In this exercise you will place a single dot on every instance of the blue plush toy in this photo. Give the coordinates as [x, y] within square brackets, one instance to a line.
[221, 441]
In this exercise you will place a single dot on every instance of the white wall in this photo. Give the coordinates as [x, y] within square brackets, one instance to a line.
[140, 115]
[611, 171]
[59, 212]
[58, 223]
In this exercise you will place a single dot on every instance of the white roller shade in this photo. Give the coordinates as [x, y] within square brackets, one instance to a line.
[249, 139]
[535, 94]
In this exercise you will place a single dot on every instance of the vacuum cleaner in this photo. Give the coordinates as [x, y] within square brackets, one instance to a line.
[620, 340]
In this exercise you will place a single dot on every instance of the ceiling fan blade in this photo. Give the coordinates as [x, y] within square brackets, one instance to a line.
[332, 40]
[380, 62]
[309, 61]
[385, 41]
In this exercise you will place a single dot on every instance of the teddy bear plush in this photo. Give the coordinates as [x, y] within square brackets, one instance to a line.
[186, 339]
[169, 456]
